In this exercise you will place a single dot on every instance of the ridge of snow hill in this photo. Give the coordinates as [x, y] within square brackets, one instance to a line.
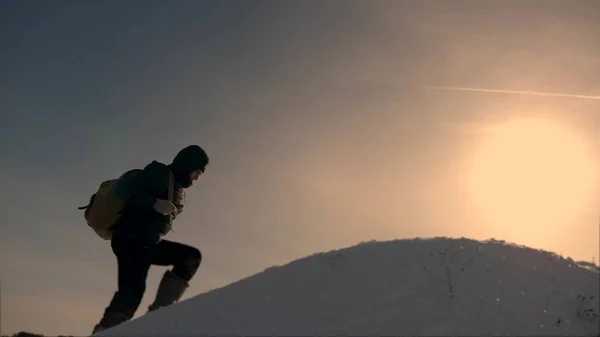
[434, 287]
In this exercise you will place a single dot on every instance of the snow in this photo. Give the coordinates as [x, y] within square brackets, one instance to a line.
[396, 287]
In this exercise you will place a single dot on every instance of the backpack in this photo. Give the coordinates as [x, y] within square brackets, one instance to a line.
[105, 207]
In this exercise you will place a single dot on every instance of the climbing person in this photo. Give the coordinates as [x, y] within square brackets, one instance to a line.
[152, 198]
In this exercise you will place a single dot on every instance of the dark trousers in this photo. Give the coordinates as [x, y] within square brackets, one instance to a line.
[134, 260]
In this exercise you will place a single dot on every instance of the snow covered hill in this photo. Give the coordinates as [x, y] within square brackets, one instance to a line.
[432, 287]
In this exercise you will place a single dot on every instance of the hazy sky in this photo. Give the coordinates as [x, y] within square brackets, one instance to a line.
[315, 115]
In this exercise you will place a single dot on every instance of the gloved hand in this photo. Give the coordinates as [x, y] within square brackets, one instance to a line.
[175, 214]
[164, 207]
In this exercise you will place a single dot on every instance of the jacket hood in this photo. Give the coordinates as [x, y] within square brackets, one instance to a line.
[189, 159]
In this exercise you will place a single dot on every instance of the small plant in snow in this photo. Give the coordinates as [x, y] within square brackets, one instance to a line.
[585, 313]
[447, 264]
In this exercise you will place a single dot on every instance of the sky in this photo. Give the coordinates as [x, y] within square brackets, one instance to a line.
[318, 119]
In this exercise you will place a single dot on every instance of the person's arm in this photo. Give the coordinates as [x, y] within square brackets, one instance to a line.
[178, 201]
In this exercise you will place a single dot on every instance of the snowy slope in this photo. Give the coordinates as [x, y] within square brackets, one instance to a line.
[392, 288]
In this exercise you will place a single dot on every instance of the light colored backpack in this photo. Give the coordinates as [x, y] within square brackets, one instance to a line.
[105, 207]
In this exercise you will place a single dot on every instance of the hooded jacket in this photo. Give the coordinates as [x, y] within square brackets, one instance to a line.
[142, 187]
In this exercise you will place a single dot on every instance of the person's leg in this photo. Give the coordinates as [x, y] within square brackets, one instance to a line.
[133, 262]
[185, 261]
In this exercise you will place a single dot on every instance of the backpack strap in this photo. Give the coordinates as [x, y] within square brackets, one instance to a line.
[170, 193]
[171, 190]
[90, 204]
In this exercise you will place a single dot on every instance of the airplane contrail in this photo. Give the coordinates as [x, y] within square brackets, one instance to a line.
[519, 92]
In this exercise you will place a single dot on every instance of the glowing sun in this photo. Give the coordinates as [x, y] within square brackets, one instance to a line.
[531, 173]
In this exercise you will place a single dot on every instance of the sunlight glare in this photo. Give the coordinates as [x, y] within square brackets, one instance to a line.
[531, 174]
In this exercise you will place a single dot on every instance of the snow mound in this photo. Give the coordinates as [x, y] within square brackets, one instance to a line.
[433, 287]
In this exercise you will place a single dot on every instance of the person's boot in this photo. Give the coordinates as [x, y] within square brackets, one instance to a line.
[112, 317]
[170, 290]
